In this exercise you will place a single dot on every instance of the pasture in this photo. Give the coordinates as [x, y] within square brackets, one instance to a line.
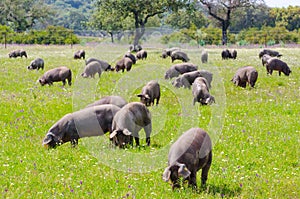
[255, 132]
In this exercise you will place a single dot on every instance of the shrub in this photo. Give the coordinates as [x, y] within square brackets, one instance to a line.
[268, 35]
[51, 35]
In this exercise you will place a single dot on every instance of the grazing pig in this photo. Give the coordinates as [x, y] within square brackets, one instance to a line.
[272, 53]
[142, 54]
[17, 53]
[115, 100]
[104, 65]
[265, 58]
[91, 69]
[179, 55]
[244, 75]
[135, 48]
[36, 64]
[200, 91]
[229, 54]
[131, 56]
[186, 79]
[277, 64]
[150, 92]
[233, 54]
[167, 52]
[92, 121]
[225, 54]
[56, 75]
[124, 63]
[79, 54]
[177, 69]
[191, 152]
[204, 56]
[128, 122]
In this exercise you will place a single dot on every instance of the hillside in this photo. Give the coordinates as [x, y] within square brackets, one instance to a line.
[72, 14]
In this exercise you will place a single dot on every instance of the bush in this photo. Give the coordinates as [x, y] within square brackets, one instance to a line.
[268, 35]
[243, 43]
[51, 35]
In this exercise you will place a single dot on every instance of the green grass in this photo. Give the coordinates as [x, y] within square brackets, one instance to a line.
[255, 131]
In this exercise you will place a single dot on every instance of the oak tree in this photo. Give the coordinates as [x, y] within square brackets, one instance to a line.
[138, 11]
[221, 10]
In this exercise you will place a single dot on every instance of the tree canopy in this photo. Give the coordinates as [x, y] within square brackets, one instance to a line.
[138, 10]
[288, 17]
[23, 15]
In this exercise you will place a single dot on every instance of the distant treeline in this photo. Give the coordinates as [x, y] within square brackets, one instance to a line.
[204, 36]
[51, 35]
[212, 36]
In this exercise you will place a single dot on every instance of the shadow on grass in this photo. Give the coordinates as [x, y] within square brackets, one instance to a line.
[220, 191]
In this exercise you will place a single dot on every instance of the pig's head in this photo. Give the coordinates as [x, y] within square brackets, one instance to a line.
[60, 134]
[117, 68]
[51, 140]
[174, 172]
[177, 82]
[11, 54]
[32, 66]
[261, 53]
[145, 99]
[286, 70]
[164, 54]
[43, 81]
[109, 68]
[209, 100]
[84, 75]
[236, 80]
[121, 137]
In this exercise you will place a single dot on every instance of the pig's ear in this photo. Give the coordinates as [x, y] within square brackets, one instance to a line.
[147, 96]
[126, 132]
[48, 139]
[183, 171]
[166, 174]
[113, 134]
[207, 101]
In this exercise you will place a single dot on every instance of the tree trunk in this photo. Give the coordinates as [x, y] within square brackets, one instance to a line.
[225, 26]
[139, 30]
[112, 37]
[224, 35]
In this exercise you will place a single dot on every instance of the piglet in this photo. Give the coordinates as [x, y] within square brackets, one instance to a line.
[150, 92]
[200, 91]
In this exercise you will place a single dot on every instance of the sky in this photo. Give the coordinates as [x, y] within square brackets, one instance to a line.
[282, 3]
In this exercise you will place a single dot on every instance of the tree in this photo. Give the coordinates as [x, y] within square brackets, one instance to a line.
[186, 18]
[23, 15]
[221, 10]
[139, 11]
[249, 17]
[107, 20]
[288, 17]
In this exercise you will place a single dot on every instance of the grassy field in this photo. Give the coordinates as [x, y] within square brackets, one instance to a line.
[255, 131]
